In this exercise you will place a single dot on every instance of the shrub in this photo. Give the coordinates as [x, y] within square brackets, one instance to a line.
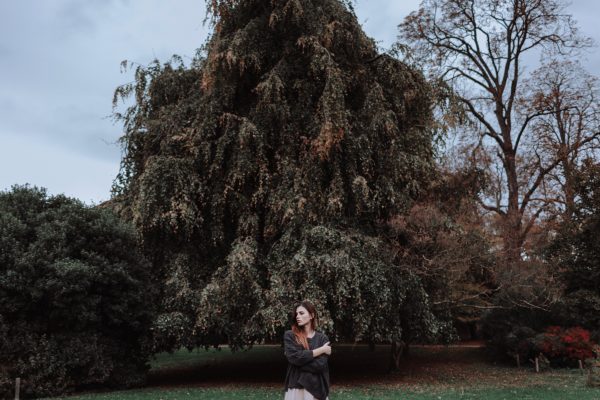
[523, 307]
[559, 346]
[75, 296]
[519, 343]
[564, 347]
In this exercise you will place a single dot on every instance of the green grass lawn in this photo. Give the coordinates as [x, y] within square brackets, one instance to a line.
[431, 373]
[344, 393]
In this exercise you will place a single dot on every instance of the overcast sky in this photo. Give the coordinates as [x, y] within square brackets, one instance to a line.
[59, 66]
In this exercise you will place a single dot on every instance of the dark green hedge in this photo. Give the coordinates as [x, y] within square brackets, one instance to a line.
[75, 296]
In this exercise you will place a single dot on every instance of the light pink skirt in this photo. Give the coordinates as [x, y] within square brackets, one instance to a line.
[299, 394]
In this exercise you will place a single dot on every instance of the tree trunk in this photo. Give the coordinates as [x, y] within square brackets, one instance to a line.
[396, 353]
[569, 191]
[512, 224]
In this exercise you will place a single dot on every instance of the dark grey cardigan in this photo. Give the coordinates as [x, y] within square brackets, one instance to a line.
[305, 371]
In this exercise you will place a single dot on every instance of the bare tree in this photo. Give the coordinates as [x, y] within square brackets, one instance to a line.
[569, 129]
[479, 48]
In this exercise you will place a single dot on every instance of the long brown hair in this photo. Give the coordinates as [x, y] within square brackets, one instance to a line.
[299, 333]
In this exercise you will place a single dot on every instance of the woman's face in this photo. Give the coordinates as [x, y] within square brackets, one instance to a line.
[302, 316]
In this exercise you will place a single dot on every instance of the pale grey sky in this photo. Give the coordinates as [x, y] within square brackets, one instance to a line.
[59, 66]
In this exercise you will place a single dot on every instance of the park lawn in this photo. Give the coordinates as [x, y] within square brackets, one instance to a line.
[430, 373]
[374, 393]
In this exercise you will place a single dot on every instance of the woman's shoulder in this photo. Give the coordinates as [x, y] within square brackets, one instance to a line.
[289, 337]
[321, 335]
[289, 332]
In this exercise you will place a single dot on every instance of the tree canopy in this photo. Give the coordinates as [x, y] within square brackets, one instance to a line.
[479, 48]
[576, 252]
[265, 172]
[75, 296]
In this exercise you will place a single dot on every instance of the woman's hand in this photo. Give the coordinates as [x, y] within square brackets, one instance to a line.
[325, 349]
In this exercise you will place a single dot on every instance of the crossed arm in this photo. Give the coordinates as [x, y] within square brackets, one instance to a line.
[317, 365]
[314, 361]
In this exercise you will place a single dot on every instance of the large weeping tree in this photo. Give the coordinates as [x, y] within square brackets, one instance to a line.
[266, 172]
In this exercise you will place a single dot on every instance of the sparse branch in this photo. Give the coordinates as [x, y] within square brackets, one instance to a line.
[525, 125]
[488, 207]
[490, 131]
[538, 180]
[531, 222]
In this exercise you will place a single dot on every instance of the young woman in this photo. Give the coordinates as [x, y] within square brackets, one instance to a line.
[307, 352]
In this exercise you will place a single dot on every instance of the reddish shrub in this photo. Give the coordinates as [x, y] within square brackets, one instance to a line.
[565, 346]
[577, 343]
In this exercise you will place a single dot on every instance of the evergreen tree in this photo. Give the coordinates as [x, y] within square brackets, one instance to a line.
[266, 171]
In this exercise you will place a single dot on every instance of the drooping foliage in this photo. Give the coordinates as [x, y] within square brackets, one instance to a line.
[353, 278]
[75, 296]
[263, 172]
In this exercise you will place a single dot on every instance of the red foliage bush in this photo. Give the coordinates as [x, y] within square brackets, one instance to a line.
[564, 346]
[577, 343]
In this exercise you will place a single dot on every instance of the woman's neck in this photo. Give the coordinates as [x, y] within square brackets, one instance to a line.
[310, 332]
